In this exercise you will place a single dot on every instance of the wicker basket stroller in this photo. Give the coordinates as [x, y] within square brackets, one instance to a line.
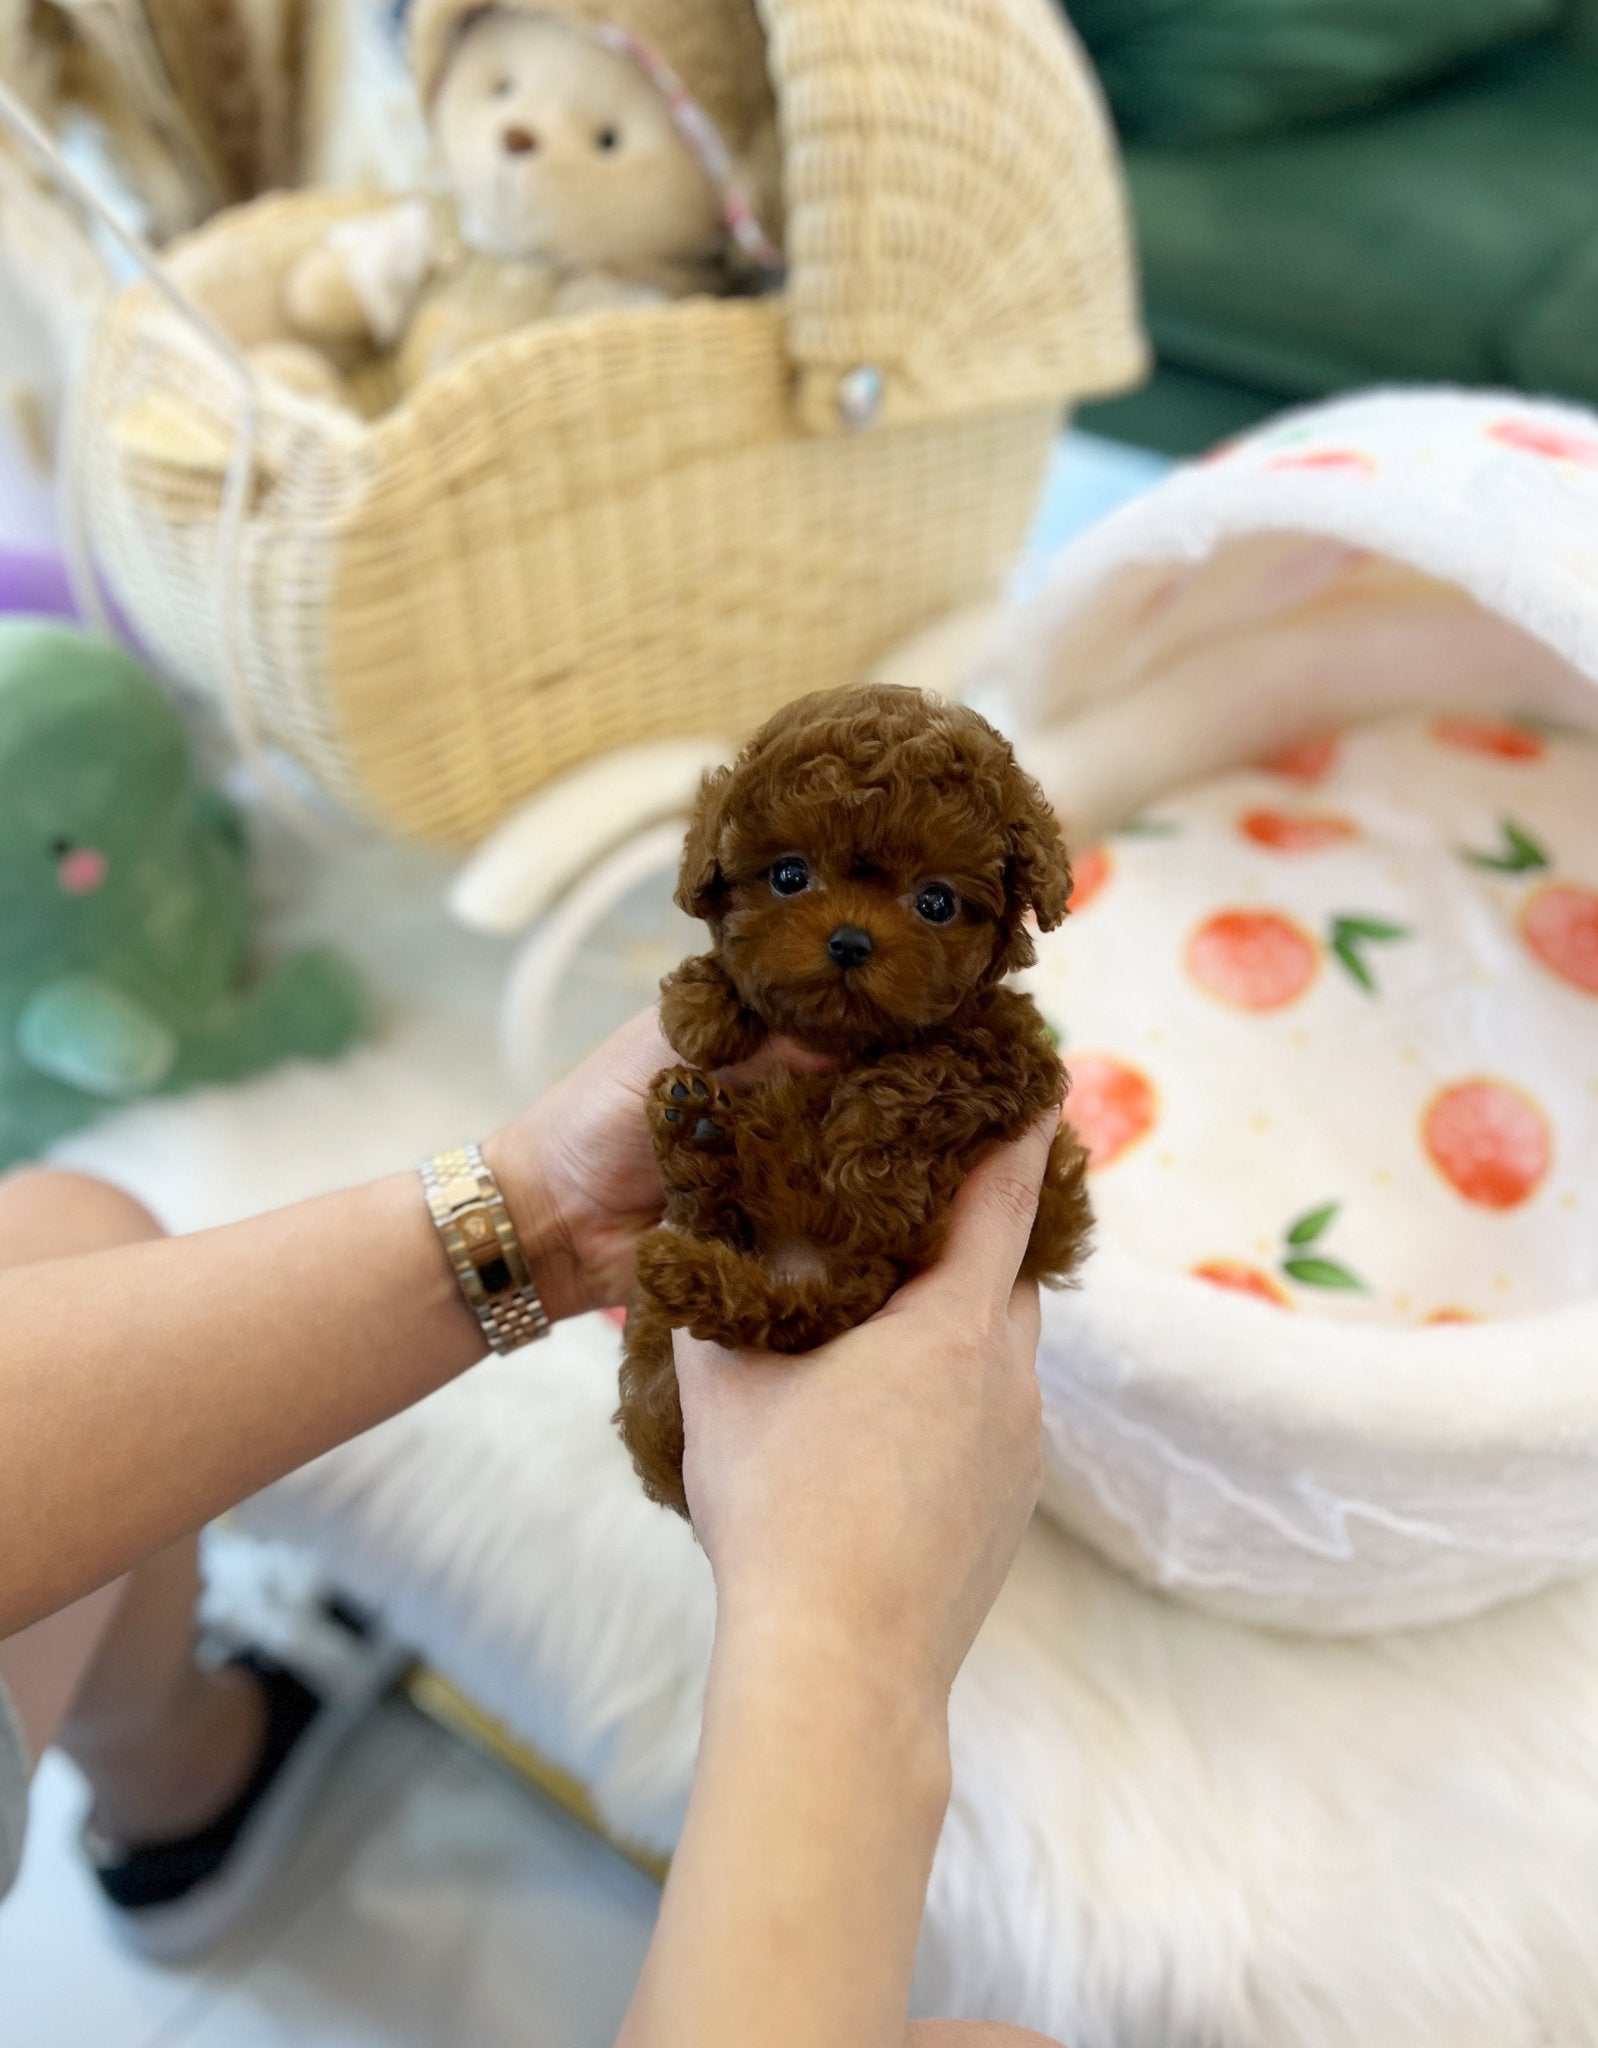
[639, 524]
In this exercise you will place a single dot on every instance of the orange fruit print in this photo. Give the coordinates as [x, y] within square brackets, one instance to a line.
[1089, 872]
[1344, 459]
[1309, 761]
[1283, 833]
[1533, 437]
[1241, 1279]
[1490, 1142]
[1482, 736]
[1560, 925]
[1110, 1106]
[1254, 959]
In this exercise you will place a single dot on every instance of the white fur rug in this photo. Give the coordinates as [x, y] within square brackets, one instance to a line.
[1168, 1831]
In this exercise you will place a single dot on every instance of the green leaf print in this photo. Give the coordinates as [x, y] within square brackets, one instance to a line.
[1147, 828]
[1314, 1225]
[1548, 728]
[1519, 854]
[1345, 951]
[1349, 934]
[1310, 1269]
[1053, 1036]
[1323, 1273]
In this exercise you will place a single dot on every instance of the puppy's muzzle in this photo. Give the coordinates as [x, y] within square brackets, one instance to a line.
[849, 947]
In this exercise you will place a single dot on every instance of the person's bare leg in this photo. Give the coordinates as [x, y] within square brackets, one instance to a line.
[43, 1667]
[163, 1745]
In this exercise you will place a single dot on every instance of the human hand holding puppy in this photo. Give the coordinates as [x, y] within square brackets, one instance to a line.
[862, 1470]
[860, 1506]
[578, 1170]
[873, 1492]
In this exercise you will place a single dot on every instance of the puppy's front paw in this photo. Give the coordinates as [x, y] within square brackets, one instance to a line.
[689, 1114]
[702, 1017]
[686, 1278]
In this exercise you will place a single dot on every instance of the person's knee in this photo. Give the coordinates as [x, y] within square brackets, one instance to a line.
[51, 1212]
[973, 2034]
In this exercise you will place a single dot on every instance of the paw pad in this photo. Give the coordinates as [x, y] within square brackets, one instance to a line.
[693, 1107]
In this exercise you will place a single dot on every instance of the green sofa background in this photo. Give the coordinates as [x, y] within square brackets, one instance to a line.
[1333, 193]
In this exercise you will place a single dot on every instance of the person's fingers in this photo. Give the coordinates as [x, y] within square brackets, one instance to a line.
[1026, 1316]
[635, 1052]
[704, 1369]
[990, 1224]
[696, 1360]
[775, 1055]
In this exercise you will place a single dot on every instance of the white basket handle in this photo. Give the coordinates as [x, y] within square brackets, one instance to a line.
[532, 990]
[552, 840]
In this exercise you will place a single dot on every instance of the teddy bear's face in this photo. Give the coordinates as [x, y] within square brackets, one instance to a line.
[560, 148]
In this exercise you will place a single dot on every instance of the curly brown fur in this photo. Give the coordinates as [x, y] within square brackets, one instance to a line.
[794, 1211]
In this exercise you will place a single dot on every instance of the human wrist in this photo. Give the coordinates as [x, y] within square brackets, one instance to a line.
[875, 1696]
[435, 1299]
[542, 1219]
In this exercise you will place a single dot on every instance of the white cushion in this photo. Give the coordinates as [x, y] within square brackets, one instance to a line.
[1323, 1444]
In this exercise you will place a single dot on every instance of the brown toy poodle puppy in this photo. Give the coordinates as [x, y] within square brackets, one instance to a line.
[865, 868]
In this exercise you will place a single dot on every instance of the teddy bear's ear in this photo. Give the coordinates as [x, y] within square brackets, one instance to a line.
[1040, 873]
[699, 879]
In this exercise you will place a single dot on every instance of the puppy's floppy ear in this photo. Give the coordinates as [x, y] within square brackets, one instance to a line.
[699, 879]
[1040, 873]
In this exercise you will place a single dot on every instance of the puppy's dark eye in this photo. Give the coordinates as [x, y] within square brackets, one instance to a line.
[503, 88]
[789, 876]
[608, 140]
[937, 903]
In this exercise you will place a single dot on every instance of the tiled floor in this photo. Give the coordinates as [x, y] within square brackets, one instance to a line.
[437, 1903]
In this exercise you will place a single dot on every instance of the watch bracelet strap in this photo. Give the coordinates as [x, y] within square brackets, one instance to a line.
[484, 1252]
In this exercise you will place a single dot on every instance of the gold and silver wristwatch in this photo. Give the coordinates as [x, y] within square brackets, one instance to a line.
[483, 1248]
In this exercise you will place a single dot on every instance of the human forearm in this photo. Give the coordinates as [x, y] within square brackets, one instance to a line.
[146, 1389]
[859, 1506]
[141, 1391]
[791, 1913]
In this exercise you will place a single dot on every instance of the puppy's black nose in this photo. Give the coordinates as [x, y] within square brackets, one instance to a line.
[849, 946]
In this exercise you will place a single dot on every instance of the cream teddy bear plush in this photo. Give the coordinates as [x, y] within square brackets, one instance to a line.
[581, 176]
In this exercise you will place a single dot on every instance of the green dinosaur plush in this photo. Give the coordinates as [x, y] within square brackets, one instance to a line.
[125, 914]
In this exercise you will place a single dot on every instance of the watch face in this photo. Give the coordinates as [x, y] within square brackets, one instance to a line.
[483, 1247]
[495, 1275]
